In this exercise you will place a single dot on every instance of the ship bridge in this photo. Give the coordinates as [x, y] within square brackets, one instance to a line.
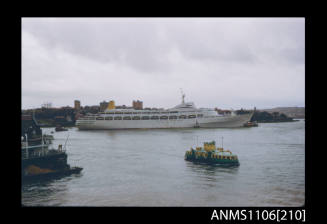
[188, 105]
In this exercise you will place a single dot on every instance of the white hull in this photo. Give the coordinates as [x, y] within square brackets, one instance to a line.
[206, 122]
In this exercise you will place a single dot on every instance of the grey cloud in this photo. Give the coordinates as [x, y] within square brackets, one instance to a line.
[213, 60]
[138, 42]
[131, 43]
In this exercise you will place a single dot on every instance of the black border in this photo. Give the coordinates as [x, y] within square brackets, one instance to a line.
[132, 214]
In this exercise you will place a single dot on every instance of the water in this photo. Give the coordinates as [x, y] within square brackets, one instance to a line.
[147, 168]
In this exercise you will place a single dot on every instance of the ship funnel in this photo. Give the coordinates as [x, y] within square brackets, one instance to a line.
[111, 105]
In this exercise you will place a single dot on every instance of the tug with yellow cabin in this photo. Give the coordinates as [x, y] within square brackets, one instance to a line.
[211, 154]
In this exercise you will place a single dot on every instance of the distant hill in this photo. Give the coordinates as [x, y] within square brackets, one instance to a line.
[294, 112]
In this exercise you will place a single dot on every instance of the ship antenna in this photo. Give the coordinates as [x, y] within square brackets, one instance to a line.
[222, 141]
[183, 95]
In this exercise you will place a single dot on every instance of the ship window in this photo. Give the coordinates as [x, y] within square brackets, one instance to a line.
[163, 117]
[108, 118]
[118, 112]
[154, 118]
[200, 115]
[117, 118]
[128, 113]
[182, 117]
[145, 118]
[126, 118]
[172, 117]
[136, 118]
[191, 116]
[99, 118]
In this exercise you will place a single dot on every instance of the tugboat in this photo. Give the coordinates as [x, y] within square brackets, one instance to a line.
[39, 161]
[60, 128]
[251, 124]
[209, 154]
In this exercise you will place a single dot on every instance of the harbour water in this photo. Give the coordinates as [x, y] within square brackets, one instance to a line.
[147, 168]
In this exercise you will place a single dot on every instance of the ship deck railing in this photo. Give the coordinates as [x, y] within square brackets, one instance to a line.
[38, 151]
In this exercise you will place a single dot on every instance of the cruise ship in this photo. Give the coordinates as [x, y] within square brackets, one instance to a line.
[184, 115]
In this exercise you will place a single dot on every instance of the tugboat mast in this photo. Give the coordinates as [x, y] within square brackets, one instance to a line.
[66, 142]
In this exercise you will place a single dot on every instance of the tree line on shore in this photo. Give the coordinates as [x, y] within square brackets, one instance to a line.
[50, 117]
[264, 116]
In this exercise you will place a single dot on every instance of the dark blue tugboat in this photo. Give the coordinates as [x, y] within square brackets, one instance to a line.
[38, 160]
[60, 128]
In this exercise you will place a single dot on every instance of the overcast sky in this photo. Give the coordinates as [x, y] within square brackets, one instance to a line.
[218, 62]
